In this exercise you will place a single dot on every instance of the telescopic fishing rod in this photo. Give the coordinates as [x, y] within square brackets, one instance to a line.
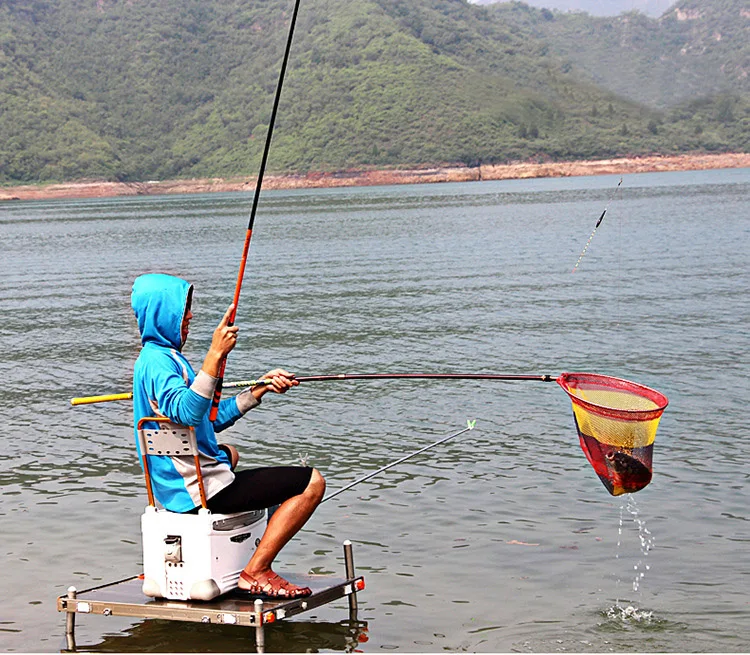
[90, 400]
[256, 198]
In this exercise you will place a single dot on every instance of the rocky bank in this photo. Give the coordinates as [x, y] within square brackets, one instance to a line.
[620, 166]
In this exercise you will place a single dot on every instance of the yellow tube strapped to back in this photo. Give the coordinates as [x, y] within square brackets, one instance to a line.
[89, 400]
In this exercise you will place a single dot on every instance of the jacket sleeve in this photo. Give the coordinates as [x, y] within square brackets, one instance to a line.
[230, 409]
[177, 401]
[228, 414]
[189, 405]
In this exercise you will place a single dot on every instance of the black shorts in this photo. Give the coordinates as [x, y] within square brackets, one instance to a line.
[260, 488]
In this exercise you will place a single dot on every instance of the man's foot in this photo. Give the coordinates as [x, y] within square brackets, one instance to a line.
[270, 585]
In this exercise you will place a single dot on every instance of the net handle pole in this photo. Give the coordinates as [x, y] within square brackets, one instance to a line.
[89, 400]
[411, 376]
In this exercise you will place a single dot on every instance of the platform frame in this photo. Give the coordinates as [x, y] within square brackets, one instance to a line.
[125, 598]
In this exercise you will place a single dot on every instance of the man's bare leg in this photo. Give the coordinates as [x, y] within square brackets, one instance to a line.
[286, 521]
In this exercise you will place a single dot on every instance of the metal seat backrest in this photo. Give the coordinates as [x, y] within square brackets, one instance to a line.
[170, 440]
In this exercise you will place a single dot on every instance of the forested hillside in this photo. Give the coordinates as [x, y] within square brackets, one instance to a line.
[696, 49]
[157, 89]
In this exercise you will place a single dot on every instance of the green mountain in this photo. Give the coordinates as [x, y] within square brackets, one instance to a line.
[157, 89]
[697, 48]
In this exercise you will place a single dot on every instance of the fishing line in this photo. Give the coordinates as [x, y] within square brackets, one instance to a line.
[618, 291]
[256, 198]
[596, 227]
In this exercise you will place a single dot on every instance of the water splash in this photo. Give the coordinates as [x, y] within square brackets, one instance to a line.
[630, 614]
[617, 551]
[646, 542]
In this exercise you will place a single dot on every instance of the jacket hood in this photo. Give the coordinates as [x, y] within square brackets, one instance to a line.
[159, 302]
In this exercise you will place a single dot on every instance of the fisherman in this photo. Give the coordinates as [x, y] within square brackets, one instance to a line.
[164, 384]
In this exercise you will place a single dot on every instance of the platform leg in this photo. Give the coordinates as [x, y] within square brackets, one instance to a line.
[70, 624]
[260, 637]
[350, 574]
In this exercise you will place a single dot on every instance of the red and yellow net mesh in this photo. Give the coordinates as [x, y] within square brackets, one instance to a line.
[616, 422]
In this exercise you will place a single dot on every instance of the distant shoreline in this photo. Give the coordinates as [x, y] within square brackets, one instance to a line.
[616, 166]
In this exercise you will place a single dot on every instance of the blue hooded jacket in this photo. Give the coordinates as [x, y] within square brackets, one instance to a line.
[163, 385]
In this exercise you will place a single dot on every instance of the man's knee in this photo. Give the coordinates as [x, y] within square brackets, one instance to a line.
[317, 484]
[231, 451]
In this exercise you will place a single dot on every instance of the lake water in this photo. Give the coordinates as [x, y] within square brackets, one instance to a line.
[502, 539]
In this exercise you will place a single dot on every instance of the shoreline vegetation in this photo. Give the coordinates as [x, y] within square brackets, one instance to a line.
[615, 166]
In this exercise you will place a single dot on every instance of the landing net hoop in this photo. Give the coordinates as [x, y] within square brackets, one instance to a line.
[617, 398]
[616, 421]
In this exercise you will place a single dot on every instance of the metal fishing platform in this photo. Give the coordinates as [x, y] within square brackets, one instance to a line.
[126, 598]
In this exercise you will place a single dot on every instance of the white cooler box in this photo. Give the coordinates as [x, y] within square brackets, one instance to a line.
[196, 556]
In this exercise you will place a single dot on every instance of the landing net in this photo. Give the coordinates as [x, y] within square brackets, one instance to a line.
[616, 422]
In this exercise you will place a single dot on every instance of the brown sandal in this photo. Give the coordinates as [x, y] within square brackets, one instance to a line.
[274, 587]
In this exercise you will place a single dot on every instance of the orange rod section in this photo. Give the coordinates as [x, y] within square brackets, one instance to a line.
[237, 289]
[200, 482]
[146, 474]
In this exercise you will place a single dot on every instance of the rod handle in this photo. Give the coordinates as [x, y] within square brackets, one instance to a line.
[217, 393]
